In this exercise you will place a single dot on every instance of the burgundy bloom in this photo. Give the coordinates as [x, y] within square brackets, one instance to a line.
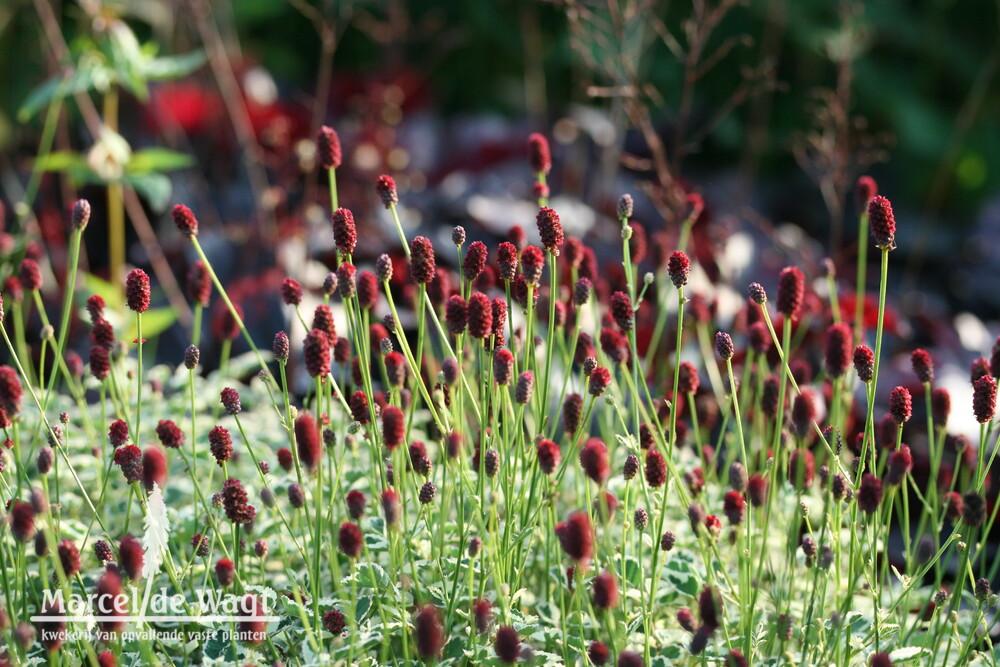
[503, 366]
[30, 275]
[656, 468]
[801, 469]
[22, 521]
[507, 260]
[539, 155]
[393, 426]
[390, 507]
[346, 280]
[192, 355]
[923, 365]
[422, 266]
[508, 644]
[757, 489]
[549, 456]
[230, 399]
[474, 261]
[734, 507]
[870, 493]
[427, 492]
[940, 405]
[605, 591]
[316, 351]
[359, 407]
[154, 467]
[678, 268]
[479, 315]
[103, 334]
[864, 190]
[100, 363]
[349, 539]
[110, 602]
[199, 284]
[95, 307]
[185, 221]
[130, 557]
[708, 608]
[130, 460]
[52, 632]
[307, 440]
[571, 412]
[456, 314]
[334, 621]
[11, 391]
[251, 629]
[137, 291]
[225, 572]
[954, 507]
[200, 545]
[838, 349]
[864, 363]
[221, 444]
[550, 230]
[356, 504]
[291, 292]
[724, 345]
[900, 464]
[880, 660]
[576, 536]
[234, 500]
[621, 311]
[882, 222]
[804, 412]
[328, 148]
[900, 405]
[524, 388]
[685, 619]
[984, 399]
[594, 460]
[973, 509]
[631, 467]
[791, 291]
[118, 433]
[600, 378]
[385, 186]
[687, 381]
[345, 234]
[170, 434]
[532, 264]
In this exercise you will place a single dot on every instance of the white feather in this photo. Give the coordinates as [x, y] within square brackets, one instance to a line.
[155, 540]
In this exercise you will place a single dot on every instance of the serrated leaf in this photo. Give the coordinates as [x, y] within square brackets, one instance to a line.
[908, 653]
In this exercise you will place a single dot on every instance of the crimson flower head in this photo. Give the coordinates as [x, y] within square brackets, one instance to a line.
[656, 468]
[385, 186]
[428, 631]
[118, 433]
[291, 292]
[221, 444]
[234, 501]
[349, 539]
[984, 399]
[328, 148]
[600, 378]
[199, 284]
[757, 294]
[186, 223]
[231, 401]
[169, 433]
[79, 217]
[804, 412]
[940, 405]
[538, 153]
[507, 259]
[576, 536]
[882, 222]
[129, 458]
[549, 456]
[137, 291]
[594, 460]
[225, 572]
[251, 629]
[22, 521]
[734, 507]
[621, 311]
[605, 591]
[474, 260]
[708, 608]
[550, 230]
[900, 405]
[345, 234]
[456, 314]
[507, 645]
[154, 467]
[870, 493]
[724, 345]
[30, 274]
[524, 388]
[678, 268]
[503, 366]
[864, 363]
[100, 363]
[900, 464]
[390, 507]
[479, 315]
[422, 265]
[837, 355]
[130, 557]
[801, 468]
[316, 350]
[923, 365]
[864, 190]
[791, 291]
[532, 263]
[307, 440]
[757, 489]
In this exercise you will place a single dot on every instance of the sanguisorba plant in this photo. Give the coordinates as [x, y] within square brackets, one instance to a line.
[511, 460]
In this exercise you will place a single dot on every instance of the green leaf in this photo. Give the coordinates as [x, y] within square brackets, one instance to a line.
[156, 188]
[157, 159]
[80, 80]
[128, 59]
[61, 161]
[173, 67]
[908, 653]
[154, 322]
